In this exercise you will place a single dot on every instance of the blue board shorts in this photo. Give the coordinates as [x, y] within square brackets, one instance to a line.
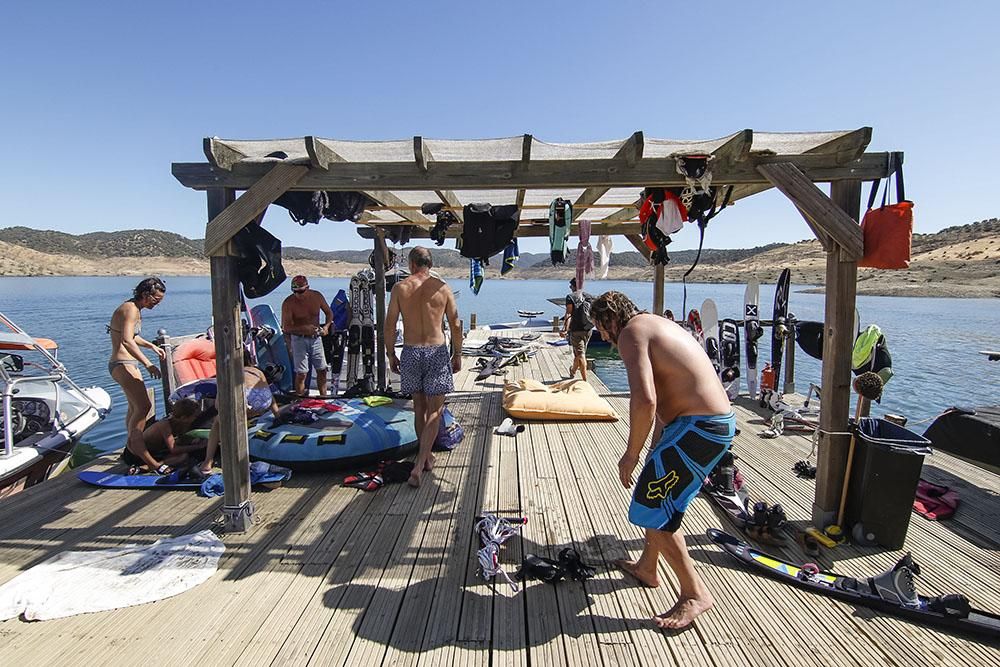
[425, 369]
[306, 349]
[675, 470]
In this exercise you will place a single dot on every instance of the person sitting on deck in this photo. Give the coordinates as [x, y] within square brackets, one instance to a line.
[259, 400]
[161, 438]
[425, 365]
[672, 383]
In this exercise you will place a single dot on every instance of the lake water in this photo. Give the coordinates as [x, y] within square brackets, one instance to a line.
[935, 343]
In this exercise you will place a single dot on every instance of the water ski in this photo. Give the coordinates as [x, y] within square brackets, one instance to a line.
[752, 331]
[271, 347]
[710, 330]
[892, 591]
[729, 353]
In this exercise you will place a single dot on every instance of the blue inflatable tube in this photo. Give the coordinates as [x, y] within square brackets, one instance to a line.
[355, 435]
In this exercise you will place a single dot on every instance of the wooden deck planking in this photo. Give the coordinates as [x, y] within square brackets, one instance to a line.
[336, 575]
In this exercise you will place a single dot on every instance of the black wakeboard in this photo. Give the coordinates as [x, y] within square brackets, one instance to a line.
[951, 612]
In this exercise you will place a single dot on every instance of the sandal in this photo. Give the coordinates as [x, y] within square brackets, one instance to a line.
[164, 469]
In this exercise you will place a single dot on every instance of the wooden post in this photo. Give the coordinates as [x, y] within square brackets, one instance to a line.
[658, 289]
[380, 364]
[472, 321]
[838, 342]
[231, 400]
[167, 379]
[789, 361]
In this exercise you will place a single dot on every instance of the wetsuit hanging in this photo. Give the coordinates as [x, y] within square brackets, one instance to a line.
[560, 222]
[444, 220]
[660, 210]
[701, 200]
[510, 257]
[584, 255]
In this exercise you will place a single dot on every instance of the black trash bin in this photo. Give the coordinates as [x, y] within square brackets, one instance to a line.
[884, 475]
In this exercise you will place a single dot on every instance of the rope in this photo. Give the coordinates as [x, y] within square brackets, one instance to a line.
[494, 531]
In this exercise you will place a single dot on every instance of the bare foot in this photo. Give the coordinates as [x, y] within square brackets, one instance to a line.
[414, 479]
[683, 613]
[631, 568]
[429, 463]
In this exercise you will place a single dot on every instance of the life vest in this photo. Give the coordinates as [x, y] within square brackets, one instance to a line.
[661, 210]
[560, 221]
[340, 308]
[871, 354]
[259, 264]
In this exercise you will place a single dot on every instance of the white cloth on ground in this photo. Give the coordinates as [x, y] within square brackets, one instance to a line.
[77, 582]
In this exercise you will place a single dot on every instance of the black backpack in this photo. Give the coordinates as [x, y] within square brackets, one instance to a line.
[580, 320]
[259, 264]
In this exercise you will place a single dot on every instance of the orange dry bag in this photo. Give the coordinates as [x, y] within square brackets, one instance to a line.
[888, 230]
[767, 378]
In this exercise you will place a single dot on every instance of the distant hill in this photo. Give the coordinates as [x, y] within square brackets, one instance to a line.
[963, 260]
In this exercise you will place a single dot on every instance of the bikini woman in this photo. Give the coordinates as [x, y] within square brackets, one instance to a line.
[126, 359]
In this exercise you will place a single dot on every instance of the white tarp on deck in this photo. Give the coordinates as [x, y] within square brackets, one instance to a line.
[77, 582]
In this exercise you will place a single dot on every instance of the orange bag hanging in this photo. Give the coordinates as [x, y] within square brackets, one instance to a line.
[888, 230]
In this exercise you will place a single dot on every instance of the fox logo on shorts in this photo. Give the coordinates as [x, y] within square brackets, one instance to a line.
[658, 488]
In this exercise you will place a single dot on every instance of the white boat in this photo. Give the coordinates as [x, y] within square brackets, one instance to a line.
[43, 412]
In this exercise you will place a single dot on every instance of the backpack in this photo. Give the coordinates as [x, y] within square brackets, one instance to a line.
[259, 264]
[580, 320]
[871, 353]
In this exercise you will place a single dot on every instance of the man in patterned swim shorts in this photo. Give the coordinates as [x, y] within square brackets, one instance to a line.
[672, 383]
[425, 365]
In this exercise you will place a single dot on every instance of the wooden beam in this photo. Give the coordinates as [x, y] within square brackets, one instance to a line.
[506, 175]
[231, 399]
[526, 230]
[323, 158]
[809, 199]
[525, 159]
[421, 153]
[629, 153]
[636, 241]
[838, 343]
[219, 154]
[424, 157]
[658, 289]
[251, 204]
[844, 149]
[737, 149]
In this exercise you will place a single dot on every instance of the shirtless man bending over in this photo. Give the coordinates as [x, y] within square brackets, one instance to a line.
[673, 383]
[425, 366]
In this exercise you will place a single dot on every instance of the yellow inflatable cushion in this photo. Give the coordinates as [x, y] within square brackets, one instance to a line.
[567, 400]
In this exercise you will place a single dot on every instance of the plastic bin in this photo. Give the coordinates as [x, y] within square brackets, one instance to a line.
[884, 475]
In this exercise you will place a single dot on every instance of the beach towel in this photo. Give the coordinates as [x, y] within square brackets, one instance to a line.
[510, 257]
[475, 275]
[259, 470]
[604, 248]
[584, 255]
[79, 582]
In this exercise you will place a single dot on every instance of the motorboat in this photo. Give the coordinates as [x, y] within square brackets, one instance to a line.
[44, 412]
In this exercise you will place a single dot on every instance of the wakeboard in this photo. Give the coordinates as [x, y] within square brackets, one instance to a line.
[752, 331]
[780, 325]
[892, 592]
[271, 347]
[164, 482]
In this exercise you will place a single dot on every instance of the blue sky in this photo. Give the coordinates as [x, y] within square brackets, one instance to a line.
[99, 98]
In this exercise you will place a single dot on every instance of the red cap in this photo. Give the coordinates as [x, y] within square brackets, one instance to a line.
[298, 282]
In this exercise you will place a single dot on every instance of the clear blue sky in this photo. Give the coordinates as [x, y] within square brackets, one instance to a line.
[99, 98]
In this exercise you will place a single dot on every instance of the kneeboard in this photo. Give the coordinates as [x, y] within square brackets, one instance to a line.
[113, 481]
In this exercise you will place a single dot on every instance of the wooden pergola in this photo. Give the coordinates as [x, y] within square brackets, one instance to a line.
[602, 179]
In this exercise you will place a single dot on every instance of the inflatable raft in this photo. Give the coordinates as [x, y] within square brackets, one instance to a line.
[351, 435]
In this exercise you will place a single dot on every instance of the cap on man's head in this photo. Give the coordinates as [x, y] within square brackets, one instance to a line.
[300, 282]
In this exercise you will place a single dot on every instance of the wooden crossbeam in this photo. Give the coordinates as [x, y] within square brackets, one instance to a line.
[841, 151]
[424, 157]
[525, 159]
[817, 207]
[636, 241]
[536, 174]
[629, 153]
[250, 204]
[532, 230]
[323, 157]
[219, 154]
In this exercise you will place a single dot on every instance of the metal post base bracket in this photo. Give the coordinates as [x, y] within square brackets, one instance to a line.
[238, 518]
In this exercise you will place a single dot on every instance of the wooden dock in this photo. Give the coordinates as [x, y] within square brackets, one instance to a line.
[330, 575]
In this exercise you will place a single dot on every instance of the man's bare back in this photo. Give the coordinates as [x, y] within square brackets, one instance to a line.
[683, 377]
[423, 301]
